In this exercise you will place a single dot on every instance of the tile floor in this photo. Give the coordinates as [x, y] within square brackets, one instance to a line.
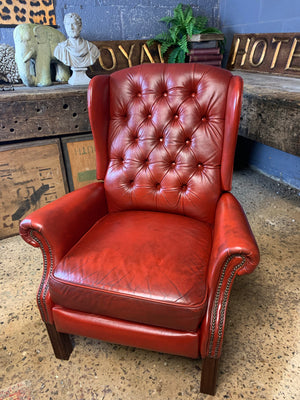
[261, 348]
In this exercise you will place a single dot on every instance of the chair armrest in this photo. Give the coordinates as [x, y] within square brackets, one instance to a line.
[234, 252]
[56, 227]
[232, 236]
[64, 221]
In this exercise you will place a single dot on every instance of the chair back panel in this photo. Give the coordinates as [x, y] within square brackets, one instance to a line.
[165, 138]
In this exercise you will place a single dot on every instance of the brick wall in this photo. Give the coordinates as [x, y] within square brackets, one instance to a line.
[122, 19]
[259, 16]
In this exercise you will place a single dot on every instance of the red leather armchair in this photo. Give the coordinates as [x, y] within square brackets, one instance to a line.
[147, 256]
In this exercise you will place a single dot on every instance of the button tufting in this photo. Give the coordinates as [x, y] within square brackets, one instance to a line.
[173, 163]
[149, 116]
[157, 186]
[193, 94]
[187, 141]
[165, 94]
[176, 116]
[184, 187]
[139, 94]
[161, 139]
[203, 119]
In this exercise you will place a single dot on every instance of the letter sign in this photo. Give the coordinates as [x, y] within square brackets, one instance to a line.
[116, 55]
[272, 53]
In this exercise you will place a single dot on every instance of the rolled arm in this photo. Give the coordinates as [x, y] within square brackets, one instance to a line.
[234, 252]
[232, 235]
[64, 221]
[56, 227]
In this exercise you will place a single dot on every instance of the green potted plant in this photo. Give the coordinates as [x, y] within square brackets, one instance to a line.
[181, 27]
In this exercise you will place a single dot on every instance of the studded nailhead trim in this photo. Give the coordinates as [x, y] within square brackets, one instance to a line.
[41, 300]
[223, 304]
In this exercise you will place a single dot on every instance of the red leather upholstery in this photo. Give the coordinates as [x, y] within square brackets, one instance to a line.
[57, 227]
[166, 138]
[148, 256]
[127, 333]
[107, 272]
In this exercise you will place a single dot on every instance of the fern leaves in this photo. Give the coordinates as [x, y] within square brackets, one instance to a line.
[181, 26]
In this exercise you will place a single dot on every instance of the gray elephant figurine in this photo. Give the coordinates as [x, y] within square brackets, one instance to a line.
[34, 47]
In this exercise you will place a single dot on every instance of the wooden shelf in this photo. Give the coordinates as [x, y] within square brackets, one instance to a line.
[270, 111]
[31, 113]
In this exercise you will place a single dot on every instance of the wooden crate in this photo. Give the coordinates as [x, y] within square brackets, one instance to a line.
[31, 175]
[80, 158]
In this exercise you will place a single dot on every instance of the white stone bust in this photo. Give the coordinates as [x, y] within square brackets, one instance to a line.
[76, 52]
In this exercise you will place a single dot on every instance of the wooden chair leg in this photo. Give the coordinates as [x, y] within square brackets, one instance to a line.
[61, 343]
[209, 375]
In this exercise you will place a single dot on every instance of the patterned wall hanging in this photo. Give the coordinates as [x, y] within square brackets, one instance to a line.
[14, 12]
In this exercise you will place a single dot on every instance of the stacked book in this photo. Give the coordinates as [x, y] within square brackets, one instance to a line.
[210, 56]
[205, 49]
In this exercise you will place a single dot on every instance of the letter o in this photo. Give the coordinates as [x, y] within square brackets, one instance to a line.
[263, 53]
[113, 58]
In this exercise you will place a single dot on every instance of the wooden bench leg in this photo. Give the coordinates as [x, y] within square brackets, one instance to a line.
[61, 343]
[209, 375]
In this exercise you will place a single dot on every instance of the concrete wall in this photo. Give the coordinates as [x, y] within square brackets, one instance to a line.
[263, 16]
[122, 19]
[258, 16]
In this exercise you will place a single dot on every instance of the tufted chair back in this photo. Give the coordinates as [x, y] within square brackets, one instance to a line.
[166, 139]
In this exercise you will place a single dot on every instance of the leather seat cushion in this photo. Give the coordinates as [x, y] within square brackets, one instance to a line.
[140, 266]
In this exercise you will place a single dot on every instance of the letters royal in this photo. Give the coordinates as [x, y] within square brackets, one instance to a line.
[145, 55]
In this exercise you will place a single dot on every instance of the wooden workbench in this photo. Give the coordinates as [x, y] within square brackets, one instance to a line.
[46, 148]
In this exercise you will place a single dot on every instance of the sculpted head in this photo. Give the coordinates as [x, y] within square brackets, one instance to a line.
[73, 25]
